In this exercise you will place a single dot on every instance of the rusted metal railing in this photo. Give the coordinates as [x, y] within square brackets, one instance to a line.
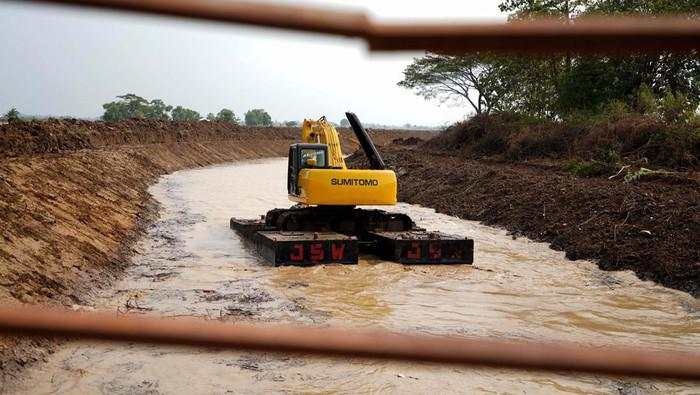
[27, 320]
[585, 35]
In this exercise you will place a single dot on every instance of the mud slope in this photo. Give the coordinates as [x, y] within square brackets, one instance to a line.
[650, 227]
[73, 194]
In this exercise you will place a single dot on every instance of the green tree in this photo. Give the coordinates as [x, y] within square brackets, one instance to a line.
[157, 109]
[446, 77]
[127, 107]
[588, 84]
[291, 124]
[226, 115]
[131, 106]
[180, 113]
[12, 115]
[563, 85]
[211, 117]
[257, 117]
[564, 9]
[344, 123]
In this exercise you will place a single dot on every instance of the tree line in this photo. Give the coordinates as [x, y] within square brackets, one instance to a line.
[567, 85]
[131, 106]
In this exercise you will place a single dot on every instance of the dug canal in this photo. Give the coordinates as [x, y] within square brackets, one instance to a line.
[191, 264]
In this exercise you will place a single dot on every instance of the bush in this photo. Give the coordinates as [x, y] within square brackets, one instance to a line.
[586, 169]
[482, 134]
[608, 154]
[646, 101]
[677, 108]
[608, 140]
[490, 144]
[552, 141]
[616, 109]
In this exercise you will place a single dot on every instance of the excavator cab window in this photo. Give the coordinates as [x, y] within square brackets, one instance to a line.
[304, 156]
[313, 158]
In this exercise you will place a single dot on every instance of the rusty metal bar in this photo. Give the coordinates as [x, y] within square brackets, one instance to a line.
[309, 19]
[610, 35]
[23, 321]
[585, 35]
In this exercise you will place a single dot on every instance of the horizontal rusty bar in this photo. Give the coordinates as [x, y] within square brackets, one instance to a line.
[31, 320]
[309, 19]
[588, 35]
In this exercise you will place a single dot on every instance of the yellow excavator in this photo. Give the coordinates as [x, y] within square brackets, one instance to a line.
[326, 226]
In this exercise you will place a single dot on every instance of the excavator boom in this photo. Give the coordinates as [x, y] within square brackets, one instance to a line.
[323, 132]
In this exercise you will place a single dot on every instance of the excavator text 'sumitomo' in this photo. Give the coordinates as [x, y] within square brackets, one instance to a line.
[325, 226]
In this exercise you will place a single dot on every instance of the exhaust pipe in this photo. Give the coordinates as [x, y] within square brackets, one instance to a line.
[375, 160]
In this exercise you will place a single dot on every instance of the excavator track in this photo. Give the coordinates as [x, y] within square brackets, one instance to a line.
[341, 219]
[337, 234]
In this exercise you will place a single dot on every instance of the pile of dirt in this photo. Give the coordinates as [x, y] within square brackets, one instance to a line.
[73, 198]
[407, 141]
[651, 227]
[68, 135]
[609, 141]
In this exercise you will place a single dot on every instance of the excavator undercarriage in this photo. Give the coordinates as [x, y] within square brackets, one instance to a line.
[337, 233]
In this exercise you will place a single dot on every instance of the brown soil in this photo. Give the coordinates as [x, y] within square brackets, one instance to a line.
[651, 227]
[73, 198]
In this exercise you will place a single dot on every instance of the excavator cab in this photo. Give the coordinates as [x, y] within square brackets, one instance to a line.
[304, 156]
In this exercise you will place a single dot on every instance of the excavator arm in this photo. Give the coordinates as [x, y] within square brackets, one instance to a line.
[323, 132]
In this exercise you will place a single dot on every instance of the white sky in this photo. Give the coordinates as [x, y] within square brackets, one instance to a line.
[66, 62]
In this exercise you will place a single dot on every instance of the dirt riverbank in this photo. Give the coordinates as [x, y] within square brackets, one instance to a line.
[73, 198]
[651, 227]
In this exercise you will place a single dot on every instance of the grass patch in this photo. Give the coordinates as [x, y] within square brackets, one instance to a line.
[586, 169]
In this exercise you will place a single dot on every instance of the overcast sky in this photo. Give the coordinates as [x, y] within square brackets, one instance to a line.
[66, 62]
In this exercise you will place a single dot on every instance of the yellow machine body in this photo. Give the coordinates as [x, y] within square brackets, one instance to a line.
[317, 174]
[346, 187]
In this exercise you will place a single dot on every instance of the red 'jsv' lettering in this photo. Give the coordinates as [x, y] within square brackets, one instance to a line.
[297, 252]
[337, 251]
[434, 251]
[414, 252]
[316, 252]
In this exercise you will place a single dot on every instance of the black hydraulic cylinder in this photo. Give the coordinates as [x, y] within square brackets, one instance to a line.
[375, 161]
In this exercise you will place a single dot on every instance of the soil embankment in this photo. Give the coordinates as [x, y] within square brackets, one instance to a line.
[73, 196]
[650, 225]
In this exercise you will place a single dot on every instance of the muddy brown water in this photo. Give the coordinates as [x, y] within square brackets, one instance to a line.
[191, 264]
